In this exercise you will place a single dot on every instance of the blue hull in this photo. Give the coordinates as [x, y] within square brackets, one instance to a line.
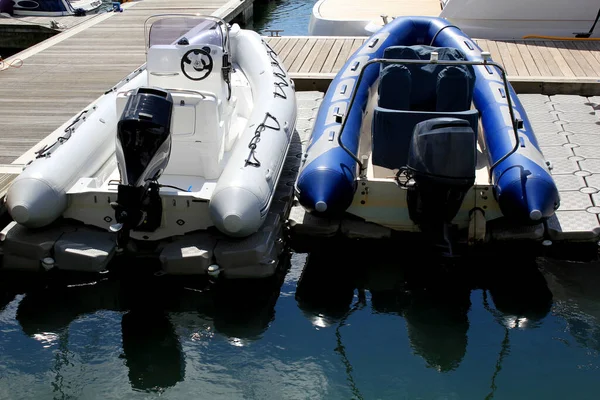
[522, 182]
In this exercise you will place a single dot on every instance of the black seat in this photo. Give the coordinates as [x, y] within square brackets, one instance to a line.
[412, 93]
[395, 87]
[454, 91]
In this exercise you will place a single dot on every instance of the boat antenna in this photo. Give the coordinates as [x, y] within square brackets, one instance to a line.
[589, 33]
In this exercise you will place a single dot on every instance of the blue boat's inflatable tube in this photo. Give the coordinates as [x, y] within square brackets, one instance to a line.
[523, 185]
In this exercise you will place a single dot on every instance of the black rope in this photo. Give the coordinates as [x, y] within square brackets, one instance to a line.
[588, 34]
[440, 30]
[252, 160]
[43, 152]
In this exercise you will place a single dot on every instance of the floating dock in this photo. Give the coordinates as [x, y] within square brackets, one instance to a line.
[558, 83]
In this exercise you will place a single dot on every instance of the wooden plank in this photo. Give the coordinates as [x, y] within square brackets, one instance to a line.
[279, 43]
[548, 59]
[494, 52]
[579, 58]
[528, 60]
[569, 59]
[558, 58]
[294, 51]
[507, 61]
[344, 54]
[333, 55]
[587, 57]
[322, 56]
[594, 49]
[356, 44]
[312, 57]
[517, 59]
[303, 55]
[538, 59]
[286, 49]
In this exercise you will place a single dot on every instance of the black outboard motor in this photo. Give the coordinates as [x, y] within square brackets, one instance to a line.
[143, 150]
[441, 162]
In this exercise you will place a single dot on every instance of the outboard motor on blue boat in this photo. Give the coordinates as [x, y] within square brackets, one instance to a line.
[143, 151]
[441, 163]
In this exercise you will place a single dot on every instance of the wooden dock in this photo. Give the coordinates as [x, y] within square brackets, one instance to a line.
[51, 82]
[20, 32]
[545, 67]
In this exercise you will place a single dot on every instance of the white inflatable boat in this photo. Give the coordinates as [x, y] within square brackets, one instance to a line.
[194, 140]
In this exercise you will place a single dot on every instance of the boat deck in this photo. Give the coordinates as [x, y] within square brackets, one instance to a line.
[344, 10]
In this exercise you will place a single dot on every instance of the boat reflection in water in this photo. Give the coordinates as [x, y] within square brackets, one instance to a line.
[155, 311]
[433, 299]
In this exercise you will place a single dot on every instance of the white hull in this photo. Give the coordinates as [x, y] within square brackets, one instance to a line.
[482, 19]
[228, 145]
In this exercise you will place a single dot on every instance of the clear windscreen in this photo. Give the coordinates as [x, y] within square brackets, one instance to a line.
[169, 29]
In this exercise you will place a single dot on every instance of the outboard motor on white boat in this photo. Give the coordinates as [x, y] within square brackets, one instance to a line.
[143, 151]
[441, 164]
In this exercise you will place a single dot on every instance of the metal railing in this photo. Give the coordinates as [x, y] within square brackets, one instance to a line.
[486, 61]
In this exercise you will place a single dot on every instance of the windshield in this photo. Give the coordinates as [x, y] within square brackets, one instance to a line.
[198, 30]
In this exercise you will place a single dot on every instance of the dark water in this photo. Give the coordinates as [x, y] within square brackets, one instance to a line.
[290, 15]
[7, 52]
[370, 324]
[348, 321]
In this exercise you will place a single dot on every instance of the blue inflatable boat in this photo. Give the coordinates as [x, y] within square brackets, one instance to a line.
[420, 128]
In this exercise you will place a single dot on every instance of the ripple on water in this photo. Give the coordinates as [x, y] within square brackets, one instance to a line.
[290, 15]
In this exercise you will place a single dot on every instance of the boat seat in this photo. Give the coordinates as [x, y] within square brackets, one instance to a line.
[454, 91]
[425, 77]
[395, 87]
[413, 93]
[198, 139]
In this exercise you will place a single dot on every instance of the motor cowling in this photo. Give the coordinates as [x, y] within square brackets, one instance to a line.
[442, 163]
[144, 136]
[143, 148]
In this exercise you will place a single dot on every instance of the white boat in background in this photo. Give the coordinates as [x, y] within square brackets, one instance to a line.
[482, 19]
[55, 8]
[180, 162]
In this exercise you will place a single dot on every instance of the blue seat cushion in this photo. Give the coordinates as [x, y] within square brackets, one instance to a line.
[395, 87]
[424, 77]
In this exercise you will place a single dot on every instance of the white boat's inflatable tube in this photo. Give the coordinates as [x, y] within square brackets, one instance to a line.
[37, 197]
[243, 194]
[244, 191]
